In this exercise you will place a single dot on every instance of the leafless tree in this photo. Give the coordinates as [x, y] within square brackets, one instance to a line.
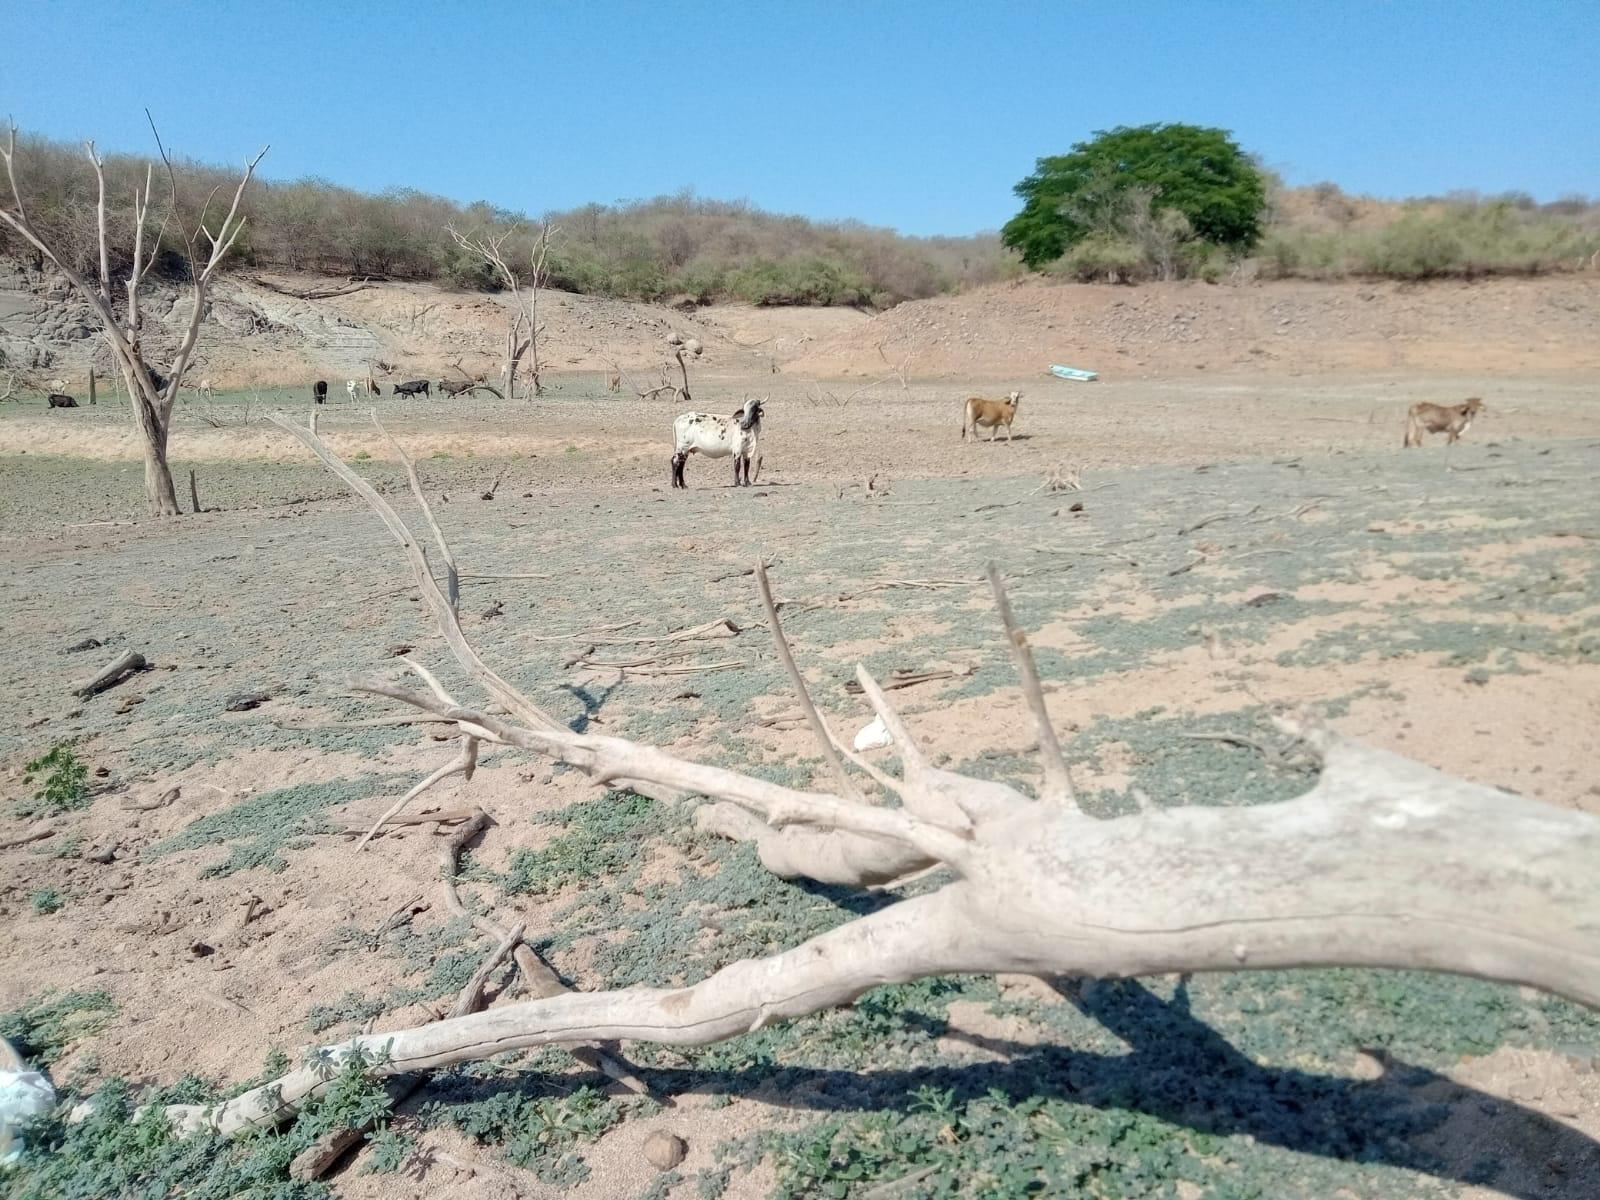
[1385, 862]
[523, 329]
[152, 391]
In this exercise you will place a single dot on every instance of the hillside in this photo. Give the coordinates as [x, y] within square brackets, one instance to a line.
[1543, 326]
[1547, 325]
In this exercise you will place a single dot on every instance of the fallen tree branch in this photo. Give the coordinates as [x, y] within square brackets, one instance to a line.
[1385, 863]
[537, 976]
[901, 678]
[315, 293]
[113, 673]
[1057, 781]
[37, 834]
[1214, 518]
[471, 997]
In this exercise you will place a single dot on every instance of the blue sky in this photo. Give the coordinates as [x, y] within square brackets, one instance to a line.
[919, 116]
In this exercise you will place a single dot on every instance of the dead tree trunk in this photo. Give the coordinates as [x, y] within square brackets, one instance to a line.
[150, 392]
[1384, 863]
[522, 329]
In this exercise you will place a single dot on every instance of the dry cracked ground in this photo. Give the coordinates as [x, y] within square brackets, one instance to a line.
[1238, 544]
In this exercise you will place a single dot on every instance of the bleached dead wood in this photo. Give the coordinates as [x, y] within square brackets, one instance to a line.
[1385, 862]
[537, 975]
[111, 674]
[312, 293]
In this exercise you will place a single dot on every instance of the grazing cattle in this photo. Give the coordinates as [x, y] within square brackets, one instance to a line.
[991, 414]
[352, 386]
[415, 387]
[717, 437]
[319, 391]
[454, 387]
[58, 400]
[1452, 420]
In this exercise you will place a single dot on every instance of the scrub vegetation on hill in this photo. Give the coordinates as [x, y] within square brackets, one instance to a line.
[1126, 206]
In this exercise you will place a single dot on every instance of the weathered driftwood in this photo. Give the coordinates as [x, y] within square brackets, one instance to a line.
[1385, 862]
[111, 674]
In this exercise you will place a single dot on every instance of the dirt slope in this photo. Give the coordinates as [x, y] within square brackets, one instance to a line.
[261, 337]
[1503, 326]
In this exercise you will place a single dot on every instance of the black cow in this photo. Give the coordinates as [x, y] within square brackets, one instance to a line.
[59, 400]
[319, 390]
[416, 387]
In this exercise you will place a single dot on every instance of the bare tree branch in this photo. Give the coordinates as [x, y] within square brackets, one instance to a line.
[1057, 781]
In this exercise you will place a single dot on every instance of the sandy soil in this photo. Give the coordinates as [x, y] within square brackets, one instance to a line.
[1442, 602]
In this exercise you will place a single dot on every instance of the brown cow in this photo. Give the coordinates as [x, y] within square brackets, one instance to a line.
[991, 414]
[1452, 420]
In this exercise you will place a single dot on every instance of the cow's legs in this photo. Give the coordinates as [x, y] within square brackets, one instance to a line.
[677, 470]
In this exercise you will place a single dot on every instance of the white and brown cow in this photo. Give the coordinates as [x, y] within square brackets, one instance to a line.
[718, 436]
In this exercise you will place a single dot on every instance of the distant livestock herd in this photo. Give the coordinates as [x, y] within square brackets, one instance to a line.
[738, 434]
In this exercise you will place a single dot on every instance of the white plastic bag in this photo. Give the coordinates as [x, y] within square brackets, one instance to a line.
[873, 736]
[24, 1095]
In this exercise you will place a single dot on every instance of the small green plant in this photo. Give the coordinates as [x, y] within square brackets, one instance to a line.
[63, 782]
[538, 1132]
[47, 900]
[390, 1152]
[361, 456]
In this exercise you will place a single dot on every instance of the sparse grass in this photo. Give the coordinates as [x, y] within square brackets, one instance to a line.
[46, 901]
[259, 830]
[46, 1026]
[448, 952]
[601, 836]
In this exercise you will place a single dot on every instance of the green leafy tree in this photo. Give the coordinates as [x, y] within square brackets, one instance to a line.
[1198, 172]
